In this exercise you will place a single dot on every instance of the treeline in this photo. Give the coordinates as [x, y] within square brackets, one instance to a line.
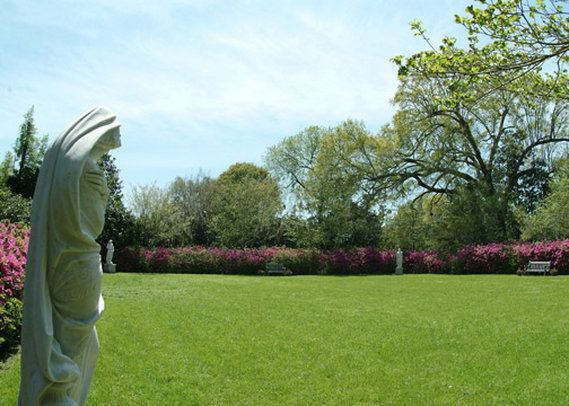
[344, 187]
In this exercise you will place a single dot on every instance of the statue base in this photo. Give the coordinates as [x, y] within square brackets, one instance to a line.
[109, 268]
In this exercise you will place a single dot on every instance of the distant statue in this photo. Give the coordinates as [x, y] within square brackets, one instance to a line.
[62, 290]
[108, 266]
[110, 252]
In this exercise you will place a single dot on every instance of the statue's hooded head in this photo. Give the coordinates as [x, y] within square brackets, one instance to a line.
[93, 134]
[58, 191]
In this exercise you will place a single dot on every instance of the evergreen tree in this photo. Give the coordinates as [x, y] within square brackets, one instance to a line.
[119, 222]
[20, 169]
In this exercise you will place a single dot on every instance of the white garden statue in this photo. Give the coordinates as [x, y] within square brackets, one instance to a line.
[108, 266]
[62, 290]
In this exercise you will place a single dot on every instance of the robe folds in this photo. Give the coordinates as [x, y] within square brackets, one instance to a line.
[62, 287]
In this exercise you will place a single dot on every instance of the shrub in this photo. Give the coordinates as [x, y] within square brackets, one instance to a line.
[425, 262]
[10, 325]
[14, 240]
[487, 259]
[555, 251]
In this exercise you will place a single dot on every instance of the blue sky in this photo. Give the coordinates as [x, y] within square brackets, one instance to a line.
[200, 85]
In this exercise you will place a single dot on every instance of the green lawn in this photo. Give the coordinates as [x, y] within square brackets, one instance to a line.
[322, 340]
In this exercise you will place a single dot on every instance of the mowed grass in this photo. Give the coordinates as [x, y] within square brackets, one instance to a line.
[323, 340]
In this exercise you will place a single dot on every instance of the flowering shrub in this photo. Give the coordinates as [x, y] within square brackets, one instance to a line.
[356, 261]
[14, 240]
[555, 251]
[425, 262]
[480, 259]
[487, 259]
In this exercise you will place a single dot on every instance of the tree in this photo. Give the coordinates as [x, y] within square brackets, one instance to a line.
[20, 169]
[292, 162]
[119, 222]
[245, 207]
[486, 152]
[412, 225]
[514, 64]
[156, 216]
[192, 198]
[336, 200]
[551, 219]
[510, 43]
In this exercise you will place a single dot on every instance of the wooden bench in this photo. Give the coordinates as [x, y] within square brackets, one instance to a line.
[537, 267]
[275, 269]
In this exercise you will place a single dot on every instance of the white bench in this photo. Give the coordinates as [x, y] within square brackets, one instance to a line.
[538, 267]
[275, 269]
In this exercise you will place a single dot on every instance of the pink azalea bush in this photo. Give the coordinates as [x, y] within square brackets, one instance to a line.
[426, 262]
[555, 251]
[14, 239]
[486, 259]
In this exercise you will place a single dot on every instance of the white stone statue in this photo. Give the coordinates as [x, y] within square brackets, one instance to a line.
[62, 289]
[108, 266]
[110, 252]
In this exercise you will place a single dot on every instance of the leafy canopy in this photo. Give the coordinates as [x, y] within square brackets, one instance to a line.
[508, 40]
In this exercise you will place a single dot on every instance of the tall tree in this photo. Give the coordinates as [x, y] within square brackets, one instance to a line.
[156, 216]
[292, 162]
[245, 208]
[192, 198]
[119, 222]
[490, 152]
[26, 159]
[336, 200]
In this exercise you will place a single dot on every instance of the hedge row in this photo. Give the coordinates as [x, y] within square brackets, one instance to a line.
[482, 259]
[208, 260]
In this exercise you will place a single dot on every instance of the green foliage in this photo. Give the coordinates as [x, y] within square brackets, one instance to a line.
[327, 172]
[176, 215]
[119, 222]
[20, 169]
[10, 324]
[412, 226]
[551, 219]
[488, 119]
[293, 160]
[516, 45]
[245, 207]
[156, 216]
[484, 157]
[14, 207]
[192, 199]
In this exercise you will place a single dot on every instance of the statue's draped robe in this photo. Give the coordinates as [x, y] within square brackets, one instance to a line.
[62, 289]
